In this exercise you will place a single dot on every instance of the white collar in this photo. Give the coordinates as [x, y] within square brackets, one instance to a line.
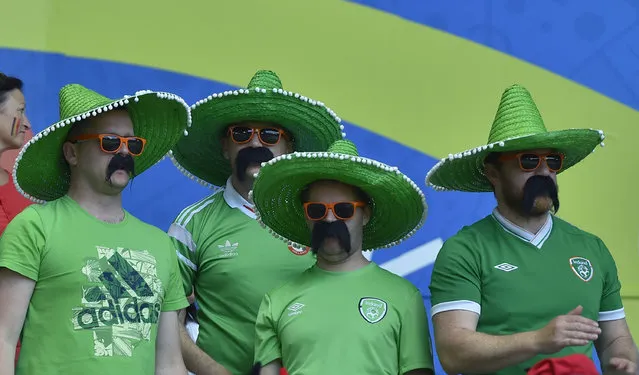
[537, 239]
[235, 200]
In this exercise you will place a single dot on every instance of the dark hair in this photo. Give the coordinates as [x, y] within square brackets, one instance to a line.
[8, 84]
[492, 158]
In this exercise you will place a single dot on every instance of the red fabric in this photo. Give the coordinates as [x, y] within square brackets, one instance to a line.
[11, 203]
[574, 364]
[283, 371]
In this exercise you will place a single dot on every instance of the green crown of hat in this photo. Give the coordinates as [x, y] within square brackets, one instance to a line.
[41, 173]
[398, 206]
[517, 126]
[313, 125]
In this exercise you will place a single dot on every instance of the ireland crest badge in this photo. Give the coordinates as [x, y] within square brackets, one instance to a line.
[372, 309]
[582, 268]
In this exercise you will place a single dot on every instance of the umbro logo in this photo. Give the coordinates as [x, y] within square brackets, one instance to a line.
[506, 267]
[296, 306]
[295, 309]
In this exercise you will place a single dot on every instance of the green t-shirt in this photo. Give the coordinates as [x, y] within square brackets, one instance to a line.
[99, 289]
[519, 282]
[368, 321]
[231, 261]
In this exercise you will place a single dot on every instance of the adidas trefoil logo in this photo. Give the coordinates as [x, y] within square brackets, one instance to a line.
[228, 249]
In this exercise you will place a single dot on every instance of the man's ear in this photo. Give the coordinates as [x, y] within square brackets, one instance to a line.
[225, 147]
[367, 214]
[70, 153]
[491, 172]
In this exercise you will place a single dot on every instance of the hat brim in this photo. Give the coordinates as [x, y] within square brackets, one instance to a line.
[198, 155]
[465, 171]
[398, 206]
[41, 173]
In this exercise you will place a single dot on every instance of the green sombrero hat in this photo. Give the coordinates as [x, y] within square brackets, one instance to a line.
[40, 172]
[312, 124]
[517, 126]
[398, 205]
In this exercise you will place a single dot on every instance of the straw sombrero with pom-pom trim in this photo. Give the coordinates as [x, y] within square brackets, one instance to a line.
[398, 206]
[41, 173]
[517, 126]
[199, 156]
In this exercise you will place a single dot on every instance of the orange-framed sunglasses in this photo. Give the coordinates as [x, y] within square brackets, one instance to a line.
[529, 161]
[342, 210]
[267, 136]
[112, 143]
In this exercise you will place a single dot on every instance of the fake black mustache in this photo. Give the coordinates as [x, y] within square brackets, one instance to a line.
[249, 156]
[120, 162]
[539, 186]
[336, 229]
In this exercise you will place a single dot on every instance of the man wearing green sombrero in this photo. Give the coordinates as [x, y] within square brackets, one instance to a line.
[521, 284]
[344, 315]
[226, 258]
[89, 288]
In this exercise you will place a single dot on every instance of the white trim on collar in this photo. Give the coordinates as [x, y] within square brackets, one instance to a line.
[519, 232]
[235, 200]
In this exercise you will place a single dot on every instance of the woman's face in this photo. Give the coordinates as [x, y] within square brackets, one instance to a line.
[13, 120]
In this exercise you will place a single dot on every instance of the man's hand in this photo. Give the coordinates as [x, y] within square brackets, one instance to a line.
[621, 366]
[195, 359]
[571, 329]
